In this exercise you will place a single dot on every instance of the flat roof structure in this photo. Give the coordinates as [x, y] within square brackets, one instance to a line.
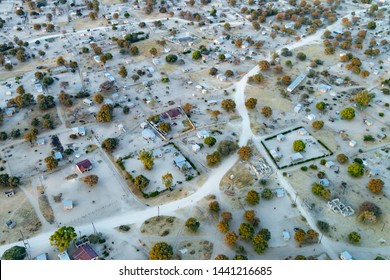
[296, 82]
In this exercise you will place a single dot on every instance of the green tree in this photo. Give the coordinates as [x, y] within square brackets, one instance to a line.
[301, 56]
[65, 99]
[171, 58]
[299, 146]
[363, 98]
[192, 224]
[51, 163]
[347, 114]
[196, 55]
[355, 170]
[91, 180]
[14, 253]
[231, 238]
[267, 194]
[342, 158]
[62, 238]
[300, 235]
[354, 237]
[98, 98]
[105, 113]
[164, 126]
[245, 152]
[371, 25]
[110, 144]
[264, 65]
[375, 185]
[223, 226]
[228, 105]
[227, 147]
[141, 182]
[31, 135]
[213, 159]
[318, 124]
[20, 90]
[122, 72]
[210, 141]
[321, 106]
[252, 197]
[251, 103]
[153, 51]
[147, 159]
[214, 206]
[246, 231]
[61, 61]
[266, 111]
[167, 180]
[257, 79]
[259, 243]
[221, 257]
[161, 251]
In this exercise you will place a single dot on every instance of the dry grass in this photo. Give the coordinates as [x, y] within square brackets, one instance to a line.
[242, 176]
[196, 250]
[161, 226]
[45, 208]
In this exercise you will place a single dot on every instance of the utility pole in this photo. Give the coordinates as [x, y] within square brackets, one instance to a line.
[26, 244]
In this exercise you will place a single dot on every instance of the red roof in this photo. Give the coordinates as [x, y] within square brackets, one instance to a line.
[85, 253]
[84, 165]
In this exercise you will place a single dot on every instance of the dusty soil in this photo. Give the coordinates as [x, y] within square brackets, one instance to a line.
[44, 206]
[195, 250]
[19, 210]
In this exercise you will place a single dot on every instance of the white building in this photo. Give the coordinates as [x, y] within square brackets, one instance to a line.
[296, 82]
[202, 134]
[195, 148]
[298, 108]
[296, 157]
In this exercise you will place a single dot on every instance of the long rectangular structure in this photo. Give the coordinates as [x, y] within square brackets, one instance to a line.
[296, 82]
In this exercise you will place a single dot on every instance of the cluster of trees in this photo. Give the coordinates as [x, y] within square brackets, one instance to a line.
[51, 163]
[308, 237]
[356, 169]
[91, 180]
[9, 181]
[65, 99]
[14, 253]
[319, 190]
[363, 98]
[369, 213]
[225, 148]
[354, 65]
[62, 238]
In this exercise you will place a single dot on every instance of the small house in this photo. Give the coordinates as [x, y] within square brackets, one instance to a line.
[202, 134]
[68, 205]
[42, 257]
[195, 148]
[156, 61]
[58, 156]
[346, 256]
[296, 157]
[286, 235]
[79, 131]
[221, 77]
[311, 117]
[381, 136]
[279, 192]
[9, 193]
[88, 102]
[219, 41]
[329, 164]
[40, 141]
[10, 224]
[280, 137]
[85, 253]
[373, 172]
[298, 108]
[368, 122]
[84, 166]
[59, 69]
[302, 131]
[181, 163]
[339, 81]
[352, 143]
[9, 112]
[324, 182]
[323, 88]
[276, 154]
[144, 125]
[64, 256]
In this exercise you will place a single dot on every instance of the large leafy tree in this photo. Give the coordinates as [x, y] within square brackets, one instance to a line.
[110, 144]
[192, 224]
[141, 182]
[231, 238]
[147, 159]
[245, 152]
[91, 180]
[253, 197]
[355, 170]
[210, 141]
[363, 98]
[105, 113]
[167, 180]
[299, 146]
[266, 111]
[51, 163]
[14, 253]
[259, 243]
[161, 251]
[246, 231]
[375, 185]
[228, 105]
[63, 237]
[251, 103]
[347, 114]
